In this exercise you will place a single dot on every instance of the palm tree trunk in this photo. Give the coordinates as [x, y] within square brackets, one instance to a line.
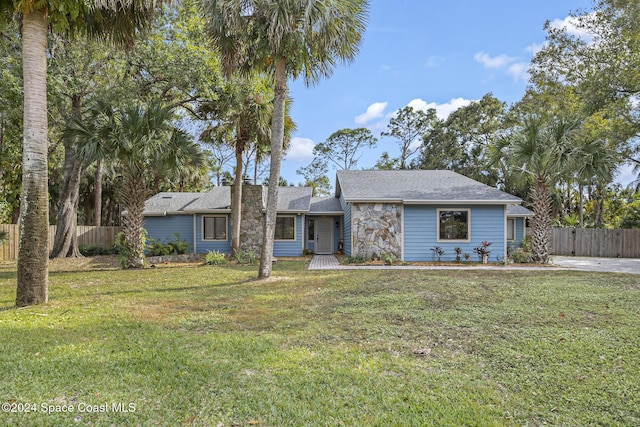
[33, 268]
[277, 138]
[541, 222]
[65, 243]
[97, 205]
[134, 194]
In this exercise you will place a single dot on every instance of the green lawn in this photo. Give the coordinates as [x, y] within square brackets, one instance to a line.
[209, 346]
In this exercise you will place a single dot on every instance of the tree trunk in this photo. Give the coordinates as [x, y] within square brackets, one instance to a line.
[581, 205]
[277, 138]
[236, 200]
[97, 205]
[133, 197]
[33, 267]
[541, 222]
[65, 244]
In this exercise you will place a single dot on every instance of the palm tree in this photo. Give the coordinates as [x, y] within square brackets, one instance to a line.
[118, 21]
[143, 143]
[292, 38]
[244, 110]
[592, 163]
[539, 152]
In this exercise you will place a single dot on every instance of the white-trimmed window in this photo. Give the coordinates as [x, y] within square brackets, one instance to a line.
[214, 228]
[453, 225]
[285, 228]
[511, 229]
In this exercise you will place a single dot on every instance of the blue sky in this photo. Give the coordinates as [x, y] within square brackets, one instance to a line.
[425, 53]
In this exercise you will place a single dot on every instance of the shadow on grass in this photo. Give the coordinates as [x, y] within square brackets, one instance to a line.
[8, 275]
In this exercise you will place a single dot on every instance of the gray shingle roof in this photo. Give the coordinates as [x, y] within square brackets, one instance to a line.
[325, 205]
[290, 199]
[216, 199]
[295, 199]
[517, 210]
[418, 186]
[172, 203]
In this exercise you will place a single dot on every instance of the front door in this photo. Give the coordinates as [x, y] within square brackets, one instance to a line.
[324, 236]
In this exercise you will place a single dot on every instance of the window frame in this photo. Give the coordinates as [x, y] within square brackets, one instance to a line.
[280, 217]
[226, 228]
[513, 239]
[438, 223]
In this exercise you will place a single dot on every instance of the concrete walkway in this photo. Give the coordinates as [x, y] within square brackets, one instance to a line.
[330, 262]
[324, 262]
[612, 265]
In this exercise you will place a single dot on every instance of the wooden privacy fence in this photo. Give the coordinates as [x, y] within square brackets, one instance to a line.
[87, 235]
[597, 242]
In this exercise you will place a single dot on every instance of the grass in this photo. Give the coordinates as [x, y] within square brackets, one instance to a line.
[210, 346]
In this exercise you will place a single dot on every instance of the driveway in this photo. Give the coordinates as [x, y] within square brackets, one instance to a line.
[612, 265]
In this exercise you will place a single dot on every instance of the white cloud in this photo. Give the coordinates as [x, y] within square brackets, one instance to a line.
[374, 111]
[499, 61]
[510, 65]
[301, 149]
[519, 71]
[535, 47]
[571, 25]
[442, 110]
[433, 61]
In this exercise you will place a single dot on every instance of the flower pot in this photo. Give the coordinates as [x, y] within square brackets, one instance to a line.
[485, 258]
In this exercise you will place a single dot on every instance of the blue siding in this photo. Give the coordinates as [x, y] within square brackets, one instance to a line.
[347, 240]
[520, 222]
[203, 246]
[420, 232]
[291, 247]
[163, 228]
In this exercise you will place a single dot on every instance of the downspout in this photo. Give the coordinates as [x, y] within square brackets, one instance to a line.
[303, 232]
[504, 236]
[195, 241]
[402, 234]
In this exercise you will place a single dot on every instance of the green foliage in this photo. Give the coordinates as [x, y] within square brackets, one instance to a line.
[245, 256]
[462, 141]
[344, 147]
[406, 126]
[4, 236]
[458, 251]
[97, 250]
[523, 253]
[315, 175]
[521, 256]
[157, 248]
[121, 249]
[214, 258]
[357, 259]
[389, 259]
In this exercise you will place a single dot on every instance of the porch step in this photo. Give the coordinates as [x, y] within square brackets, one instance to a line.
[323, 262]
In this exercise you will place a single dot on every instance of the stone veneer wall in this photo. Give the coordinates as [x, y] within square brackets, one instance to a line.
[251, 227]
[376, 229]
